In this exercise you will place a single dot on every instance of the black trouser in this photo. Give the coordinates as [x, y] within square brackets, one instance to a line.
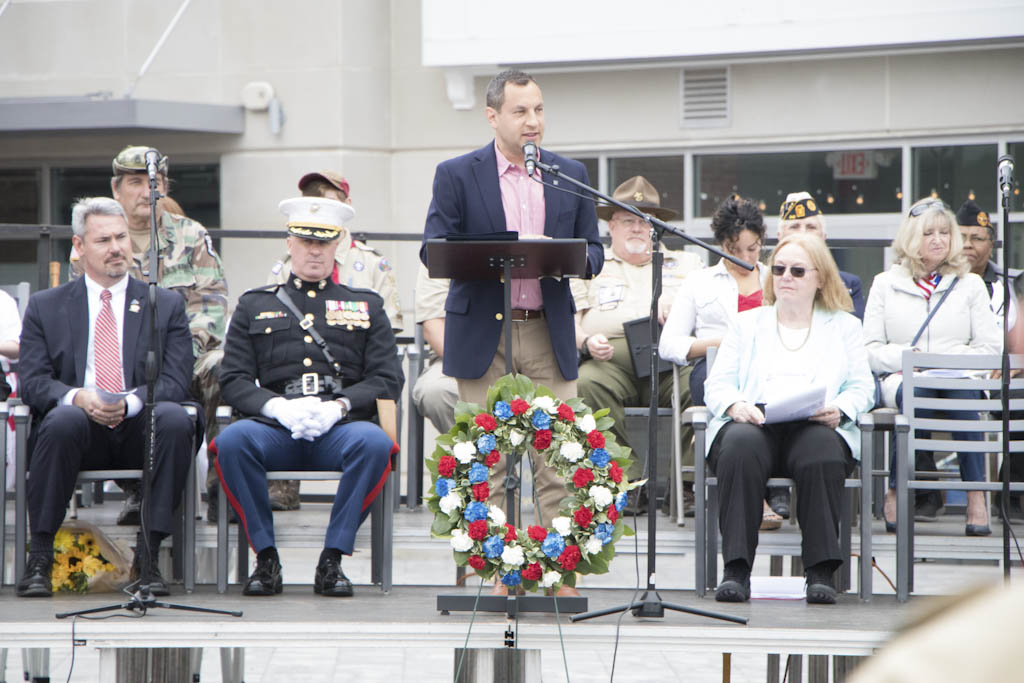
[67, 441]
[744, 456]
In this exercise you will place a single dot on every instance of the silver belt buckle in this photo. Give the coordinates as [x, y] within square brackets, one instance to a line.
[310, 384]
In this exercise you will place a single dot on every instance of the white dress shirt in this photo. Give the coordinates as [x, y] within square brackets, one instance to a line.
[92, 294]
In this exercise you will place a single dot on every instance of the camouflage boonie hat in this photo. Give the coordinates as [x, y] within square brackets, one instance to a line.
[132, 159]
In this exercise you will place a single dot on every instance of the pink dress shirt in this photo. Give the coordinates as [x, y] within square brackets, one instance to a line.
[523, 201]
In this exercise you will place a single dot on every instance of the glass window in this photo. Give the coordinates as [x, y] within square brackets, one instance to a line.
[19, 203]
[591, 164]
[1015, 149]
[843, 182]
[956, 174]
[665, 173]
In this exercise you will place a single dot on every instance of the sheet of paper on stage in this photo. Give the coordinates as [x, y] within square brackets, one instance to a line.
[777, 588]
[797, 406]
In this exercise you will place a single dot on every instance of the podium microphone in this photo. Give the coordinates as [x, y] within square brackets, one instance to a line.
[530, 157]
[152, 162]
[1005, 173]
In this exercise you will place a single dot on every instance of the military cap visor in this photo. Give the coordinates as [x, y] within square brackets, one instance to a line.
[132, 159]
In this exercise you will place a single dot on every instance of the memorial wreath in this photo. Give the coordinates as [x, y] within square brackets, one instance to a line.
[575, 442]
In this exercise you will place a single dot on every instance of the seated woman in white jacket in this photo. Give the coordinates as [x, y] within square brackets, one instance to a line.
[803, 338]
[929, 263]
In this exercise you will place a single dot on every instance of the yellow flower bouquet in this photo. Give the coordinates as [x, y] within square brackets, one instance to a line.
[84, 560]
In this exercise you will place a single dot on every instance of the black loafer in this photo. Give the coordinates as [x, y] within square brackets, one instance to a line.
[265, 579]
[36, 582]
[157, 584]
[331, 581]
[778, 501]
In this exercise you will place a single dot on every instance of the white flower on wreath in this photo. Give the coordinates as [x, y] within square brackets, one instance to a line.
[461, 542]
[450, 502]
[496, 515]
[563, 525]
[516, 437]
[602, 496]
[593, 545]
[550, 579]
[513, 555]
[464, 452]
[545, 403]
[586, 423]
[571, 451]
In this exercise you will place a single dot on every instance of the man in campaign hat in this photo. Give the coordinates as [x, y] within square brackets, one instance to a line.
[305, 362]
[355, 265]
[621, 293]
[190, 266]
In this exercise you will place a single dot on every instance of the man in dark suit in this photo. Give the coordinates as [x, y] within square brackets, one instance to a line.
[82, 370]
[489, 191]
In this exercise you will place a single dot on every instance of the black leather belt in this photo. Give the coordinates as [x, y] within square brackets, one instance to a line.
[524, 314]
[311, 384]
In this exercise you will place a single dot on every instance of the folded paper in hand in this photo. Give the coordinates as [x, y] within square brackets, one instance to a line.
[110, 397]
[797, 406]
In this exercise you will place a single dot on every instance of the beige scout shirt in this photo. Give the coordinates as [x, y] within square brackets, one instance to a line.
[431, 294]
[359, 266]
[622, 292]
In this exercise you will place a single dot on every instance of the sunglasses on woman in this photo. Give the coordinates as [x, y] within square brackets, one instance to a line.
[795, 271]
[930, 204]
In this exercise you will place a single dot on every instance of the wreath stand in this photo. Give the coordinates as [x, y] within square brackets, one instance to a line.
[490, 259]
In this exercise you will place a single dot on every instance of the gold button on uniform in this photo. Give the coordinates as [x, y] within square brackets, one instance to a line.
[309, 316]
[307, 338]
[498, 316]
[311, 293]
[307, 362]
[267, 330]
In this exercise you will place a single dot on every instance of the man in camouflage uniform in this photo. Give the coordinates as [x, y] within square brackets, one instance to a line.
[188, 265]
[620, 293]
[356, 265]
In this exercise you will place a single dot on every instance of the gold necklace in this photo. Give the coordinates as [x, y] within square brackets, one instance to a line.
[782, 341]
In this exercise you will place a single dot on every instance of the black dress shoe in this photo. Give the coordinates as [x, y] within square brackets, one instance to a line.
[735, 586]
[329, 580]
[265, 578]
[36, 582]
[130, 514]
[929, 509]
[778, 501]
[157, 584]
[820, 588]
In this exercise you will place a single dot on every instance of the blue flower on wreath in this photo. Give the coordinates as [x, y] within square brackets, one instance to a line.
[513, 578]
[443, 486]
[477, 473]
[502, 410]
[620, 501]
[553, 545]
[541, 420]
[493, 546]
[600, 457]
[486, 443]
[475, 511]
[604, 533]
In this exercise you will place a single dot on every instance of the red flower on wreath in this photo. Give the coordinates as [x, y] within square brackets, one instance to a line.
[510, 533]
[542, 440]
[582, 477]
[446, 465]
[492, 458]
[613, 513]
[533, 572]
[537, 533]
[486, 422]
[476, 562]
[615, 472]
[583, 516]
[595, 439]
[566, 413]
[481, 491]
[519, 406]
[570, 557]
[478, 530]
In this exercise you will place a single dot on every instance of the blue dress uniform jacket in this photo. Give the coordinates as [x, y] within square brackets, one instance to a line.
[467, 200]
[266, 343]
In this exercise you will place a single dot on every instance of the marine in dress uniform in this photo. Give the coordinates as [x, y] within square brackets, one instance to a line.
[304, 410]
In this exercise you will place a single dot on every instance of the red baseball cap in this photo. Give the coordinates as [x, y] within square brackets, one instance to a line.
[335, 179]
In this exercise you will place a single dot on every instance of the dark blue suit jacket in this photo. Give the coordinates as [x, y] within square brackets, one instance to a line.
[853, 286]
[467, 199]
[55, 340]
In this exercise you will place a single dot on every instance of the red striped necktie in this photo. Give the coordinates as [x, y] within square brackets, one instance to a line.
[106, 349]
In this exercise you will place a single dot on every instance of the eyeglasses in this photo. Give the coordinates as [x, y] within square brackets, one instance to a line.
[930, 204]
[795, 271]
[631, 222]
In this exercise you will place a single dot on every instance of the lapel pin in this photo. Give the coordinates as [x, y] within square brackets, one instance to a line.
[134, 306]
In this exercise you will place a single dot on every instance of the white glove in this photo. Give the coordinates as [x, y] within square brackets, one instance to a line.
[293, 414]
[326, 415]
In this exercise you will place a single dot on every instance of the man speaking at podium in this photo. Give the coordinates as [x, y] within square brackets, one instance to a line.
[490, 191]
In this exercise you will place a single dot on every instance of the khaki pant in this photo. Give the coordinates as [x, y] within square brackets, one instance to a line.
[532, 356]
[435, 396]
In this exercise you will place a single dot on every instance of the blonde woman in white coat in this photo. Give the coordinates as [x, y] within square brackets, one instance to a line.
[803, 337]
[929, 261]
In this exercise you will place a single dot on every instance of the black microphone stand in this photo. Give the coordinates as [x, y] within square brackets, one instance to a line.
[650, 603]
[142, 599]
[1004, 502]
